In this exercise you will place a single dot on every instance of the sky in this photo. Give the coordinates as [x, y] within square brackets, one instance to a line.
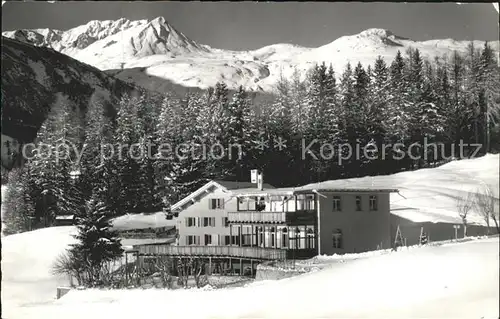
[251, 25]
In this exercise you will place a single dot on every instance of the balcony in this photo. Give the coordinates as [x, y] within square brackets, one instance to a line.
[302, 217]
[256, 217]
[213, 251]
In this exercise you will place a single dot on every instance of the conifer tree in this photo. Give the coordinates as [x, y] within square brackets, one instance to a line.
[96, 242]
[127, 136]
[18, 204]
[489, 94]
[52, 163]
[379, 117]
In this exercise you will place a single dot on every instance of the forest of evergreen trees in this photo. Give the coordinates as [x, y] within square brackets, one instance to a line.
[406, 100]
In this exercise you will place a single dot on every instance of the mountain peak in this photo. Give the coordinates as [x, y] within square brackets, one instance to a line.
[160, 20]
[377, 32]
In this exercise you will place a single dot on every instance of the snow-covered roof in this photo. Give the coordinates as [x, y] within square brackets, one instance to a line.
[289, 191]
[226, 186]
[232, 185]
[61, 217]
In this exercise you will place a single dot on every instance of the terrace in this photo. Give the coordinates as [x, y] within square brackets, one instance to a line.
[212, 251]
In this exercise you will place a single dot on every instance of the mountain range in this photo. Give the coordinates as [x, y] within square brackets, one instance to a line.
[155, 55]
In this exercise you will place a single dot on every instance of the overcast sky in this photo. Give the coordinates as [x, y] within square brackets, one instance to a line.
[251, 25]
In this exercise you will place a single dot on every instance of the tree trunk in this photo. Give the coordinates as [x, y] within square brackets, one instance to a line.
[496, 223]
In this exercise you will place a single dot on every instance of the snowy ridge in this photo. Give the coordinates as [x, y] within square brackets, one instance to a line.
[153, 50]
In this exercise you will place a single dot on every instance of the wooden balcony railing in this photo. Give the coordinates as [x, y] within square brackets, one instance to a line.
[302, 217]
[257, 217]
[213, 251]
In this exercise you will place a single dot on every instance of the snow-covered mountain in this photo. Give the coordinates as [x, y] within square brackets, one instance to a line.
[152, 53]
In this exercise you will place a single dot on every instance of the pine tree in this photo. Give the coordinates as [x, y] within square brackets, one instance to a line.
[127, 136]
[489, 94]
[52, 163]
[298, 100]
[322, 124]
[165, 134]
[218, 133]
[379, 116]
[473, 88]
[96, 242]
[190, 146]
[358, 114]
[98, 163]
[453, 109]
[19, 206]
[240, 134]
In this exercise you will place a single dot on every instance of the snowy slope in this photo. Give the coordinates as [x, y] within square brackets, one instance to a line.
[153, 50]
[26, 265]
[449, 281]
[430, 194]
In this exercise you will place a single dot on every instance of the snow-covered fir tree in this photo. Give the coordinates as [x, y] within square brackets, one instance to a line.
[18, 204]
[96, 242]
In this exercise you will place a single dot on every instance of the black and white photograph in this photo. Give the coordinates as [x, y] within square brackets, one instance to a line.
[304, 160]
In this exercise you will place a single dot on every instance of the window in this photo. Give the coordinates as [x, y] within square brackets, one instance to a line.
[337, 239]
[227, 240]
[208, 221]
[358, 203]
[193, 240]
[225, 221]
[216, 203]
[336, 204]
[190, 221]
[235, 240]
[373, 202]
[284, 241]
[247, 203]
[305, 202]
[208, 240]
[246, 239]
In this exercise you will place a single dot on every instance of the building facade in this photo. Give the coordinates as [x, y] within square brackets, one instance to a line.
[248, 220]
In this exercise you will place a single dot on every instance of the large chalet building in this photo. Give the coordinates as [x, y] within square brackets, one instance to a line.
[255, 221]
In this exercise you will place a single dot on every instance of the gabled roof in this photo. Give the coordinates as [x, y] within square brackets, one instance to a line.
[230, 185]
[226, 186]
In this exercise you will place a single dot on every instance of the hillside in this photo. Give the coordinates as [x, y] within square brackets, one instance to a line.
[143, 51]
[35, 78]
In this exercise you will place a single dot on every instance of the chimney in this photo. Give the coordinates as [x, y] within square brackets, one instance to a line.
[253, 176]
[257, 177]
[260, 181]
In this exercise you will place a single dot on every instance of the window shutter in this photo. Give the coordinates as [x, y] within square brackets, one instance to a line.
[210, 203]
[222, 203]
